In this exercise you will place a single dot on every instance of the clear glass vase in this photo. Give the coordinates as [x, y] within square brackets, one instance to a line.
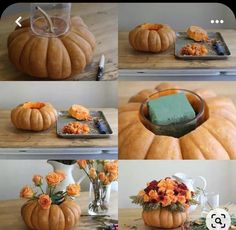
[50, 19]
[99, 198]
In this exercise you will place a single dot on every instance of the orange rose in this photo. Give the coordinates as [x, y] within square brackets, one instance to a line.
[146, 198]
[38, 180]
[44, 201]
[166, 201]
[102, 176]
[113, 177]
[73, 189]
[106, 181]
[53, 179]
[153, 195]
[92, 173]
[181, 199]
[61, 174]
[169, 192]
[82, 163]
[26, 192]
[188, 195]
[111, 167]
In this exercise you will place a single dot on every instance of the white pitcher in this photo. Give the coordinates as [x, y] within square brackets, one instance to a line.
[67, 169]
[191, 183]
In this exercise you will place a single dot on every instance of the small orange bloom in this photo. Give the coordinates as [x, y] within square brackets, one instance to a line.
[113, 177]
[92, 173]
[26, 192]
[188, 195]
[101, 176]
[38, 180]
[82, 163]
[169, 192]
[111, 167]
[162, 189]
[166, 201]
[53, 179]
[106, 181]
[181, 199]
[61, 174]
[73, 189]
[146, 198]
[44, 201]
[153, 195]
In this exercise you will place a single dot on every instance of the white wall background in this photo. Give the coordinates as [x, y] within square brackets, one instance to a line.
[61, 94]
[133, 176]
[177, 15]
[17, 173]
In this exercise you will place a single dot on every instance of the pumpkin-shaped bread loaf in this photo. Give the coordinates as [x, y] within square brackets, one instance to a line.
[51, 56]
[57, 217]
[197, 33]
[34, 116]
[215, 138]
[163, 218]
[152, 37]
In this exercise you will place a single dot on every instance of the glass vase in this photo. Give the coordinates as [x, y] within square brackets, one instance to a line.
[99, 198]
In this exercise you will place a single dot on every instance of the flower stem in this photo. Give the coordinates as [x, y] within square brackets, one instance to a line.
[48, 19]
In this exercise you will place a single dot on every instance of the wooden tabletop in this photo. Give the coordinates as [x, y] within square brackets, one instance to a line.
[10, 137]
[10, 217]
[131, 59]
[101, 19]
[130, 88]
[130, 218]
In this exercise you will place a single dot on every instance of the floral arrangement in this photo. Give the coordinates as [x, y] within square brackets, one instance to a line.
[100, 173]
[167, 193]
[104, 171]
[46, 199]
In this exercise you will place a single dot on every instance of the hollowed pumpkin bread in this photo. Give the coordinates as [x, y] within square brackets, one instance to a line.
[34, 116]
[151, 37]
[213, 139]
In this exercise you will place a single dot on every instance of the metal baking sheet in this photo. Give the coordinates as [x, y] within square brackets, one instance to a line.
[182, 39]
[64, 118]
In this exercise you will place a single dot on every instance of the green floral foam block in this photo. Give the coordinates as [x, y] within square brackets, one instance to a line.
[171, 109]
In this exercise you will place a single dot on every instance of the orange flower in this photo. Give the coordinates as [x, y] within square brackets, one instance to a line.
[188, 195]
[38, 180]
[73, 189]
[146, 198]
[166, 201]
[101, 176]
[61, 174]
[153, 195]
[113, 177]
[106, 181]
[166, 183]
[92, 173]
[44, 201]
[170, 192]
[181, 199]
[53, 179]
[162, 189]
[111, 167]
[82, 163]
[26, 192]
[141, 193]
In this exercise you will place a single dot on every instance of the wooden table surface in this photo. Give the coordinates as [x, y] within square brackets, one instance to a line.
[101, 19]
[10, 217]
[10, 137]
[130, 218]
[132, 59]
[129, 88]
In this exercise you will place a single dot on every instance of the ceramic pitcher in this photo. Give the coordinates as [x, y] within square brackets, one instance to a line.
[67, 169]
[191, 183]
